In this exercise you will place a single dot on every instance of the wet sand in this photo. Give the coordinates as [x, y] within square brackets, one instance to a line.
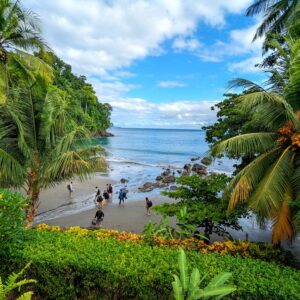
[132, 217]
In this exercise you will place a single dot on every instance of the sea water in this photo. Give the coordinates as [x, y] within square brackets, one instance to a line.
[139, 155]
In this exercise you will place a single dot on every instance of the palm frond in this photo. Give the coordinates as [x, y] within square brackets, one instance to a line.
[246, 144]
[268, 195]
[282, 219]
[245, 182]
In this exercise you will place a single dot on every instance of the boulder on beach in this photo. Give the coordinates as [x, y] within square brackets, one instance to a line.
[187, 166]
[123, 180]
[185, 173]
[169, 179]
[195, 158]
[166, 173]
[206, 161]
[159, 177]
[148, 186]
[199, 169]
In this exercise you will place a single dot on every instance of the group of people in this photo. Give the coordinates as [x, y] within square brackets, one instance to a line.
[102, 199]
[106, 197]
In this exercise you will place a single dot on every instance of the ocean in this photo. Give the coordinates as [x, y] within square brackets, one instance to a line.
[139, 155]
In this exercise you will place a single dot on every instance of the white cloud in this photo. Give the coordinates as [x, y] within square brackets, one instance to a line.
[246, 65]
[102, 38]
[171, 84]
[191, 44]
[184, 114]
[96, 36]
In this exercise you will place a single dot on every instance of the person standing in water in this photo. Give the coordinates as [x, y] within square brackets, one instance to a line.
[98, 193]
[106, 196]
[148, 206]
[70, 189]
[121, 197]
[110, 191]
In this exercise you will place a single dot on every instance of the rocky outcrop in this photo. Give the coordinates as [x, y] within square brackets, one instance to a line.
[206, 161]
[195, 158]
[166, 173]
[102, 134]
[169, 179]
[159, 177]
[123, 180]
[199, 169]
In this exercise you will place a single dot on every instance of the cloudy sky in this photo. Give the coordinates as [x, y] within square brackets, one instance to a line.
[159, 63]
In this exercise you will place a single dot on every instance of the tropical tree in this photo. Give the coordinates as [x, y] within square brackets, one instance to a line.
[40, 144]
[19, 33]
[270, 184]
[278, 15]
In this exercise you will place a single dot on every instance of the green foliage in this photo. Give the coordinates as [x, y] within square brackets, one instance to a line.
[231, 122]
[12, 216]
[201, 197]
[11, 284]
[187, 287]
[71, 266]
[85, 107]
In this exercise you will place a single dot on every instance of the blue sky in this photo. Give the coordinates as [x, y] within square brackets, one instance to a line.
[159, 63]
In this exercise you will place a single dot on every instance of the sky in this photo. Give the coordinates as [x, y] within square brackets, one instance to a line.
[159, 63]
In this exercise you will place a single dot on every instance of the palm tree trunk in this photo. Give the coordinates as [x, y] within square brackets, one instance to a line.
[33, 193]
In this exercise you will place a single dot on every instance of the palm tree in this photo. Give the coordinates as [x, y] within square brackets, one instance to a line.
[40, 144]
[19, 33]
[270, 184]
[278, 15]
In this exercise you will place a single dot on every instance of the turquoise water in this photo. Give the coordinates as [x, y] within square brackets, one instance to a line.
[157, 147]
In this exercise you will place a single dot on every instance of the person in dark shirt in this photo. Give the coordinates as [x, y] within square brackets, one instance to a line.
[106, 196]
[110, 191]
[99, 216]
[148, 206]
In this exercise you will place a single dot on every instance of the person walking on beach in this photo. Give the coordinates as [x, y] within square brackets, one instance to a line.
[70, 189]
[121, 197]
[98, 193]
[99, 216]
[99, 201]
[110, 191]
[148, 206]
[106, 196]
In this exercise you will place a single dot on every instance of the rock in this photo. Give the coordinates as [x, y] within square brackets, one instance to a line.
[148, 186]
[185, 173]
[158, 178]
[199, 169]
[179, 171]
[169, 179]
[172, 188]
[187, 167]
[206, 161]
[123, 180]
[195, 158]
[165, 173]
[213, 173]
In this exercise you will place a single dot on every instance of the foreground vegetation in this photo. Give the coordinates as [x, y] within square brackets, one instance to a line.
[69, 265]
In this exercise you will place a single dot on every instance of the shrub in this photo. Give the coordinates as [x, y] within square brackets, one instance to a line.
[70, 266]
[12, 218]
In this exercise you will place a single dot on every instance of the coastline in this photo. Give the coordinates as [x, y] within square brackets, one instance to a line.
[57, 208]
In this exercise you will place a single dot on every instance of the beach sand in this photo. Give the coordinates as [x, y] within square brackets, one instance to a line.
[132, 217]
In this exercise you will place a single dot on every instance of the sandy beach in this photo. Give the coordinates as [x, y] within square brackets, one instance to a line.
[132, 217]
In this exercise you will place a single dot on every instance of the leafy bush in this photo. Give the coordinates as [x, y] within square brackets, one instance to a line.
[264, 251]
[11, 284]
[71, 266]
[12, 218]
[188, 287]
[204, 208]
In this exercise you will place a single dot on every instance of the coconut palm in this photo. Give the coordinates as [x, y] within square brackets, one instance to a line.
[40, 145]
[270, 184]
[19, 33]
[278, 15]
